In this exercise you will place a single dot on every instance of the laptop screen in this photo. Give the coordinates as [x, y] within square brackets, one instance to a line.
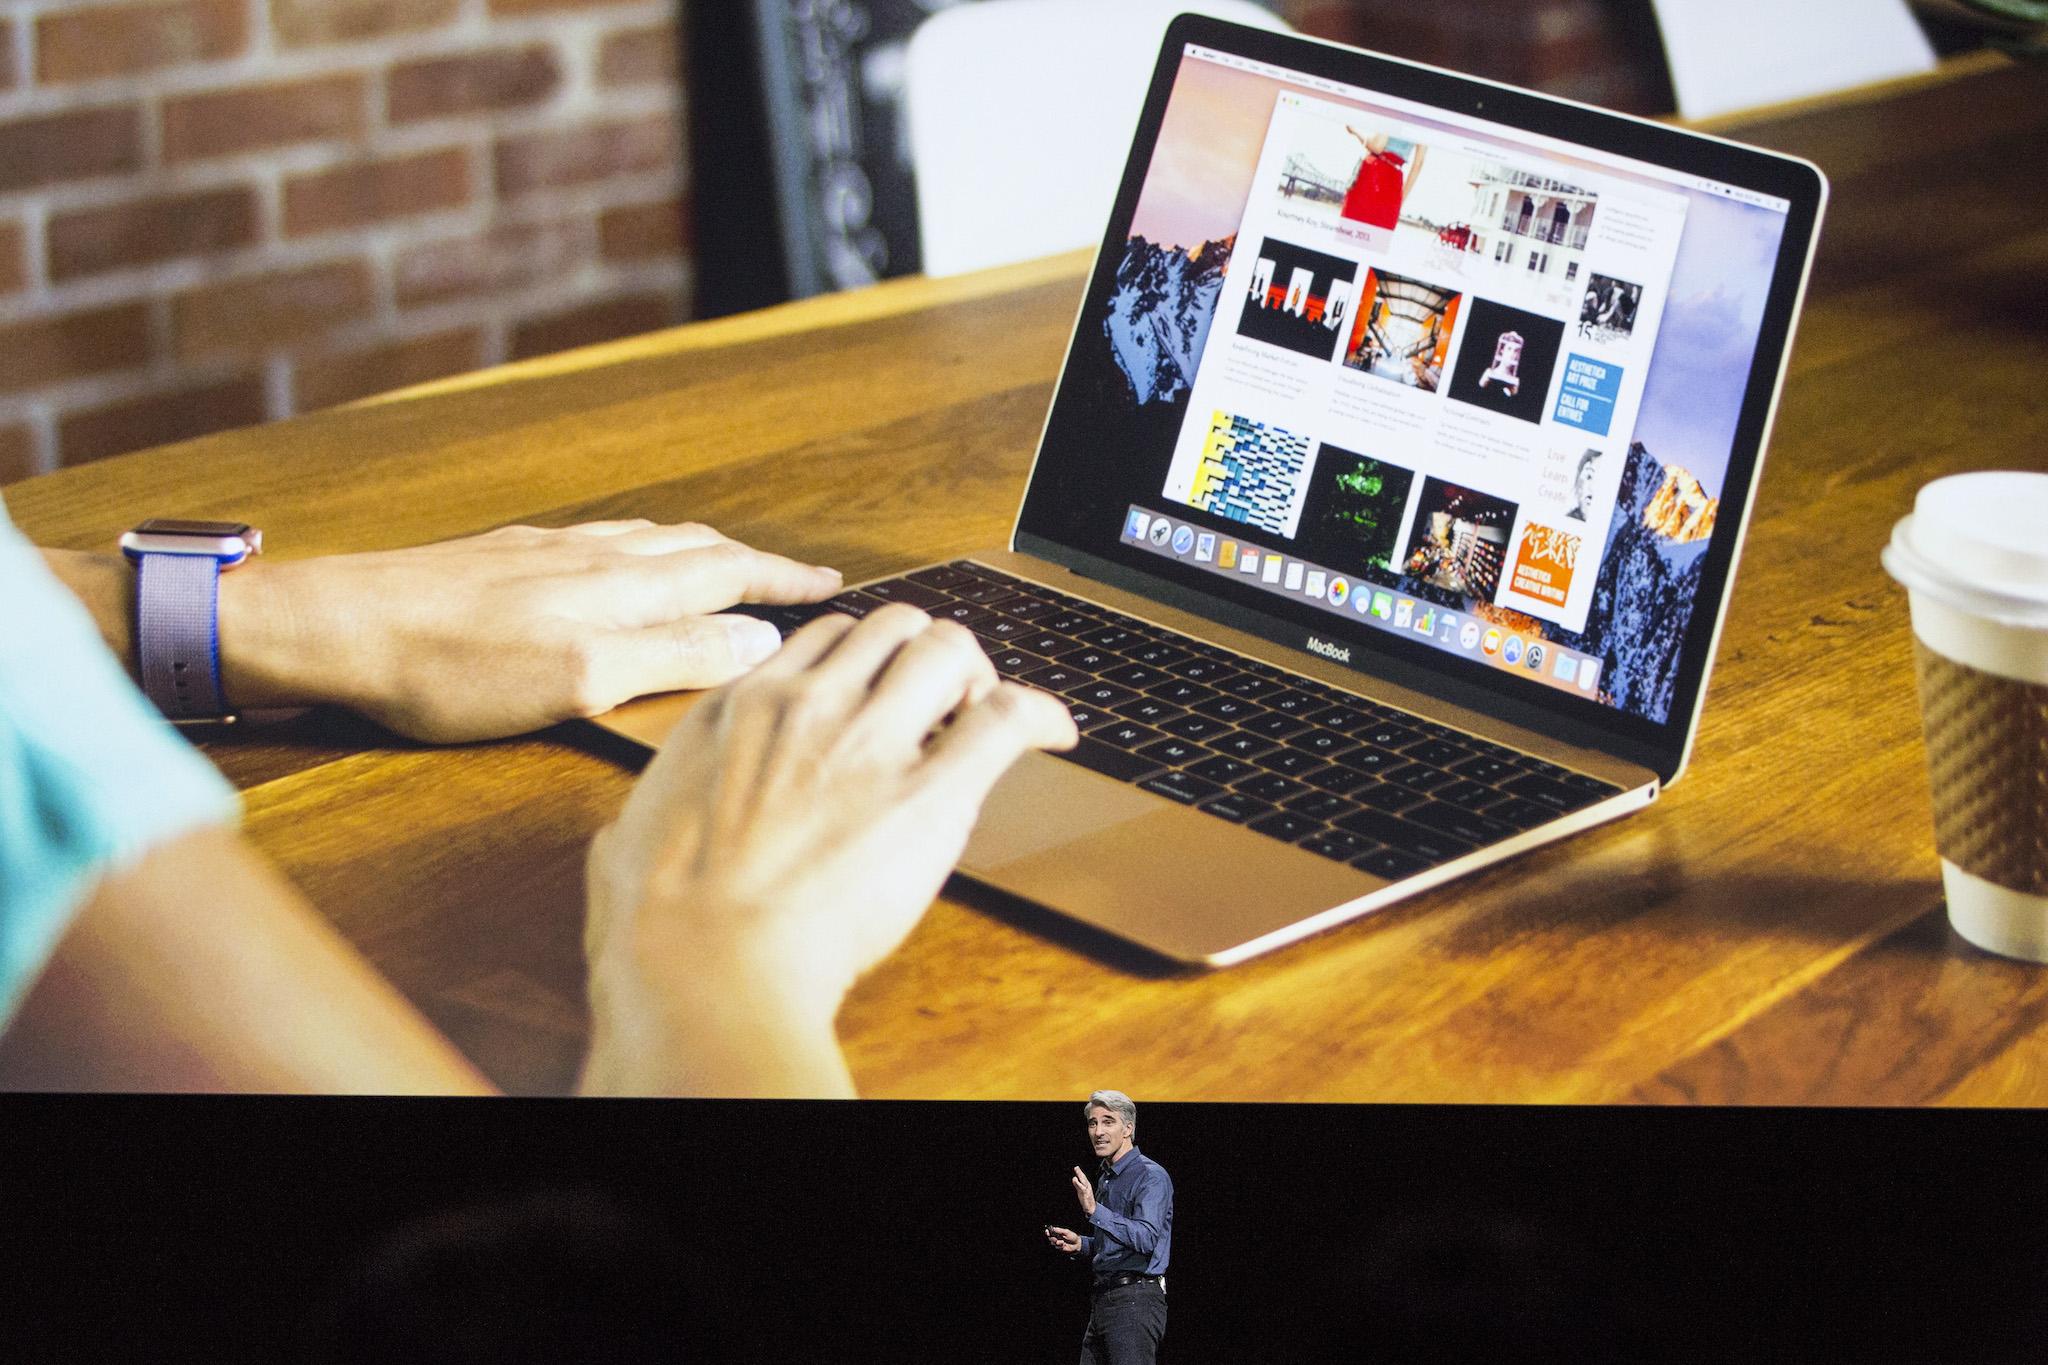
[1436, 387]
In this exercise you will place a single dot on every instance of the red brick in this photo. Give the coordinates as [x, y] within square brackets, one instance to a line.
[159, 419]
[219, 122]
[13, 257]
[641, 56]
[577, 156]
[600, 321]
[504, 258]
[50, 350]
[121, 40]
[638, 232]
[17, 453]
[76, 145]
[372, 191]
[440, 87]
[505, 7]
[328, 380]
[143, 231]
[307, 23]
[267, 310]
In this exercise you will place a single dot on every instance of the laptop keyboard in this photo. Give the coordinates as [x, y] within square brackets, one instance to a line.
[1292, 758]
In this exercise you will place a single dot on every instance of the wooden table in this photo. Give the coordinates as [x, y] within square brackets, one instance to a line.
[1770, 932]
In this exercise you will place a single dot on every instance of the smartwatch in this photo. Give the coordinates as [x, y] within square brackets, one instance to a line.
[178, 565]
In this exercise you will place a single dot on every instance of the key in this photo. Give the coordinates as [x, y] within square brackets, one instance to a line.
[1180, 787]
[1284, 827]
[1110, 761]
[1175, 751]
[1235, 807]
[903, 590]
[1127, 734]
[1220, 769]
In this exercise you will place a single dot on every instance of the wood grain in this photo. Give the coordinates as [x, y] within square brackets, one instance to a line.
[1769, 932]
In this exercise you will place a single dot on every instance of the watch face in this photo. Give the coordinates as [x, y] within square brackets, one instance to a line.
[230, 542]
[172, 526]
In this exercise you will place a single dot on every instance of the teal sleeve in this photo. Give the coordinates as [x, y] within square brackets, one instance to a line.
[91, 776]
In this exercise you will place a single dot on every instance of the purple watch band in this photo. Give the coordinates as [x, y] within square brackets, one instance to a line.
[177, 625]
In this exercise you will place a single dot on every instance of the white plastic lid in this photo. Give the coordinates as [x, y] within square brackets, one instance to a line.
[1980, 542]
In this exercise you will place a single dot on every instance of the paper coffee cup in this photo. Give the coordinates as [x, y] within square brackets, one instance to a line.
[1973, 557]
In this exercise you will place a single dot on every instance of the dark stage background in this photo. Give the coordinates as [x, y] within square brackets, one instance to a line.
[888, 1231]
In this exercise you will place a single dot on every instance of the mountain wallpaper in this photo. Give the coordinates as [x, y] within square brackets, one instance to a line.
[1158, 318]
[1649, 581]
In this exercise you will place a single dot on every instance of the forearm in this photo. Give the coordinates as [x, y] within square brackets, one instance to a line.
[1139, 1236]
[106, 585]
[675, 1011]
[199, 968]
[269, 656]
[714, 1039]
[1141, 1229]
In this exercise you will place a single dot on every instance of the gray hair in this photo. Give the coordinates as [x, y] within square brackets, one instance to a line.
[1116, 1102]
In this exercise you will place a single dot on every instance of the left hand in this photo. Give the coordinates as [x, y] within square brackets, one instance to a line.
[505, 632]
[1084, 1192]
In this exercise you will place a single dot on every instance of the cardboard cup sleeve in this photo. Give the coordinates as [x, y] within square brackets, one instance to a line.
[1987, 753]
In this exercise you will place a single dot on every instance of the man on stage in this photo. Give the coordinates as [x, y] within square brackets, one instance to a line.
[1129, 1209]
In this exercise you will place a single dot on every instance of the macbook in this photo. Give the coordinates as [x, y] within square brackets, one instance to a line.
[1384, 520]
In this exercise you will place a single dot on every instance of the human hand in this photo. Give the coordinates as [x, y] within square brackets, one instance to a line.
[788, 835]
[504, 632]
[1084, 1192]
[1063, 1241]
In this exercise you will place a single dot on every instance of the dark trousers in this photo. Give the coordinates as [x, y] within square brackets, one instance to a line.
[1125, 1325]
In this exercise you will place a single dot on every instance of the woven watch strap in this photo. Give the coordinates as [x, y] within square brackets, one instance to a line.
[177, 634]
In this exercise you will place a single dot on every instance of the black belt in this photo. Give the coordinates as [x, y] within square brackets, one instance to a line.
[1122, 1278]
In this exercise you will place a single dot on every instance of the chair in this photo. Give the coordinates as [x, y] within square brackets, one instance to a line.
[1727, 55]
[1021, 114]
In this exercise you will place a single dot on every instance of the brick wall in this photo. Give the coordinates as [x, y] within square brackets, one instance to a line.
[216, 212]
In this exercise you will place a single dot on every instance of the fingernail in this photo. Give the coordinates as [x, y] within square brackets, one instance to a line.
[752, 640]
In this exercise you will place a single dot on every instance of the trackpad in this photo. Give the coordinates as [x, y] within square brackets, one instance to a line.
[1045, 802]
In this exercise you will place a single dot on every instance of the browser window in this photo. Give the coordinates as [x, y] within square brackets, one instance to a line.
[1444, 378]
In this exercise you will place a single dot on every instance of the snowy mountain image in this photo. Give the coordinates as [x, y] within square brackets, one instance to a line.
[1649, 580]
[1158, 319]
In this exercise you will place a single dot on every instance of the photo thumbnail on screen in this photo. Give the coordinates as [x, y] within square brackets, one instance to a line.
[1297, 299]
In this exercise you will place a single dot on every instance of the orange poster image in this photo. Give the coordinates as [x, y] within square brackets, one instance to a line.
[1544, 563]
[1402, 330]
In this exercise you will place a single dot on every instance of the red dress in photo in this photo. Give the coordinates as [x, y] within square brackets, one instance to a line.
[1375, 197]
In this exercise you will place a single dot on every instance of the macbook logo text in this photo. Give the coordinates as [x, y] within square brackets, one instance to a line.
[1341, 653]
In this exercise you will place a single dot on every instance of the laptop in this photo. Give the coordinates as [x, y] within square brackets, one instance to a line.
[1385, 517]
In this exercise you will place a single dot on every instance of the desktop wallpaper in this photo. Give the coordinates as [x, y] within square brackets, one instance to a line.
[1155, 323]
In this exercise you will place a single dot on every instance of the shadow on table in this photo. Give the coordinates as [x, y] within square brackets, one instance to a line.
[1652, 880]
[1107, 949]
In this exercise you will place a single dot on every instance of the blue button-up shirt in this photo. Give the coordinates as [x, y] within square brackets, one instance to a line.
[1133, 1218]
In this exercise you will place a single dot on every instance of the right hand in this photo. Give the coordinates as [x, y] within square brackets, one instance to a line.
[1062, 1240]
[788, 836]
